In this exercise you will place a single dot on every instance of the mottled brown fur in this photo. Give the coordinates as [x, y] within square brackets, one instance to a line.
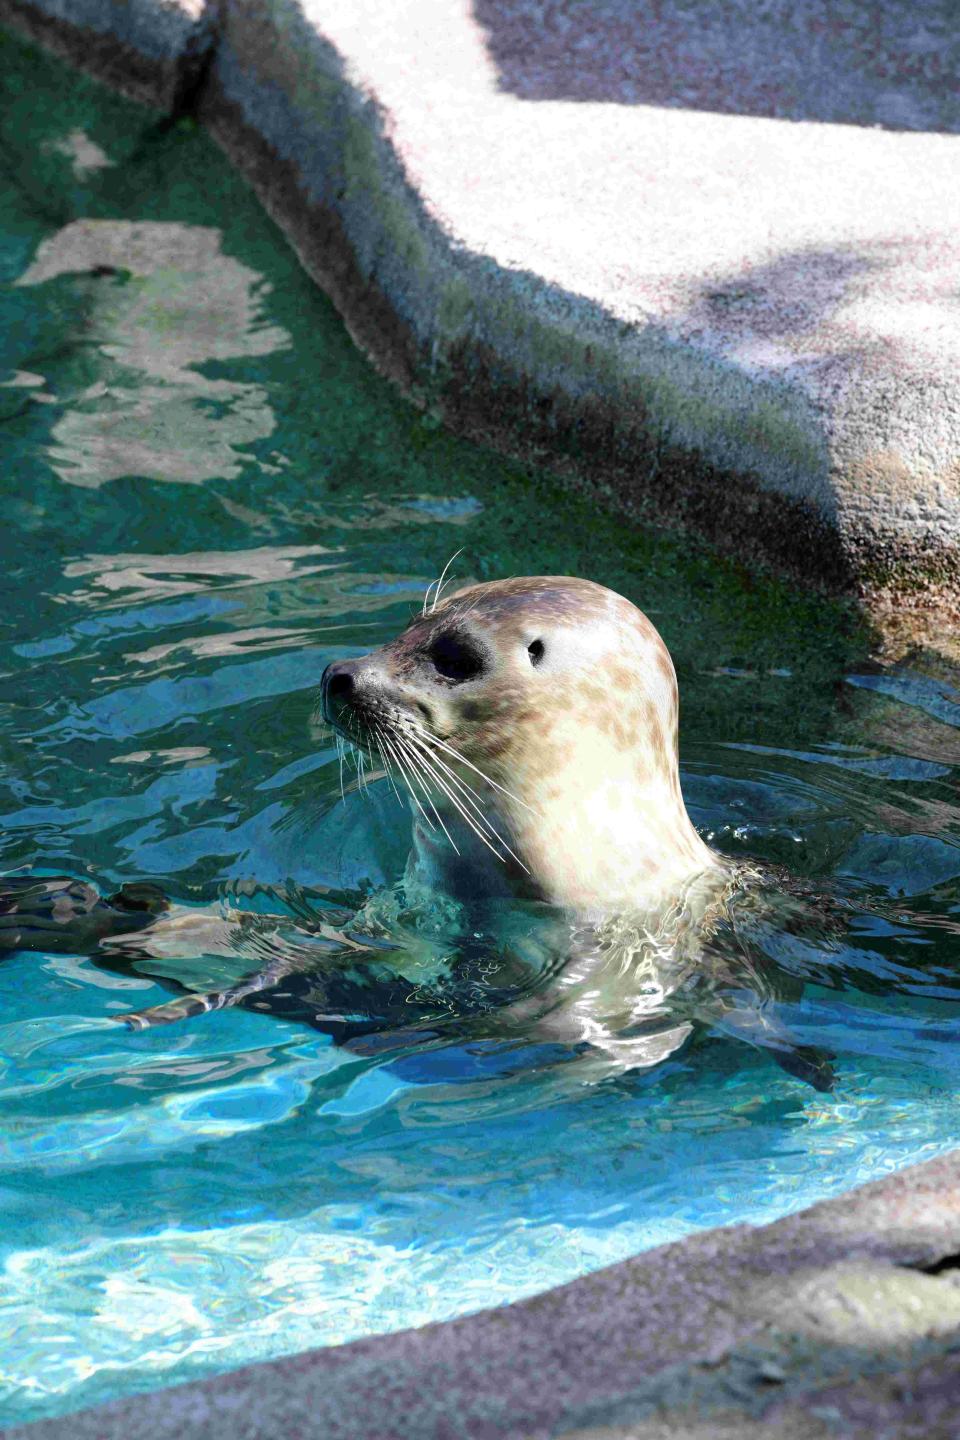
[576, 736]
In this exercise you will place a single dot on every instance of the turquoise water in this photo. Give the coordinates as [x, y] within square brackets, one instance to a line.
[208, 495]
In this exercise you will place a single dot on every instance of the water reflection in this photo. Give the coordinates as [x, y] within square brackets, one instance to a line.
[163, 300]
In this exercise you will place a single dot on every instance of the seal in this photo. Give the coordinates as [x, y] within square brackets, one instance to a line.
[534, 725]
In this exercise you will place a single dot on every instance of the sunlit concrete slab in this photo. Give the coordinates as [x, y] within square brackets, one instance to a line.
[708, 259]
[703, 258]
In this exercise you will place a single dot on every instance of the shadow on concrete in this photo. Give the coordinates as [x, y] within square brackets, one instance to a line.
[888, 63]
[791, 295]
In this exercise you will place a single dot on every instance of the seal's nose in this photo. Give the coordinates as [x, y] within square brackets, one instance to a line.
[336, 687]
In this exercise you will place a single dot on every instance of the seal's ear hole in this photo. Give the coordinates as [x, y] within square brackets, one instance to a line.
[455, 658]
[535, 650]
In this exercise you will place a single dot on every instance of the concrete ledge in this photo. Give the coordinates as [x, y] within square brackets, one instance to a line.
[737, 324]
[726, 321]
[841, 1320]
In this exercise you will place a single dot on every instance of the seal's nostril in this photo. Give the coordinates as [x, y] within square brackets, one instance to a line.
[339, 685]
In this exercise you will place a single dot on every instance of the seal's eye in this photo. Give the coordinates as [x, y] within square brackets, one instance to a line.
[535, 650]
[455, 658]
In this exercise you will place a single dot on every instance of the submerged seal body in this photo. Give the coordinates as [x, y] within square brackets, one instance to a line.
[534, 723]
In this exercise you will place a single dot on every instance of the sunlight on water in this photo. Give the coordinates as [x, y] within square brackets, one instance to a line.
[210, 497]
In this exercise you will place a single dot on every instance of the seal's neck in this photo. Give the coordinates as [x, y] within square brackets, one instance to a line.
[598, 844]
[608, 846]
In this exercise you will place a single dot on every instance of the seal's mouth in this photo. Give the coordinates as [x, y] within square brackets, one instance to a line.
[357, 709]
[438, 778]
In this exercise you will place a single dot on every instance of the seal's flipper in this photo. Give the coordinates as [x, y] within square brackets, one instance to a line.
[56, 913]
[809, 1063]
[186, 1006]
[760, 1028]
[139, 897]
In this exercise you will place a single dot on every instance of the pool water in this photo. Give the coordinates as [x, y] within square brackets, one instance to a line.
[208, 496]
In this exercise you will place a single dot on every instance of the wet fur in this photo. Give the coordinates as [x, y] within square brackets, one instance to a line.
[578, 751]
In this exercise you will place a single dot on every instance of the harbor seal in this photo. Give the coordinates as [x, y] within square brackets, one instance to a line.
[533, 725]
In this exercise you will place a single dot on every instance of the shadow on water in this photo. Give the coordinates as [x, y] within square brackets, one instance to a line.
[209, 495]
[869, 63]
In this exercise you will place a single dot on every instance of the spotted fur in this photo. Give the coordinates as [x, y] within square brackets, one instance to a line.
[577, 750]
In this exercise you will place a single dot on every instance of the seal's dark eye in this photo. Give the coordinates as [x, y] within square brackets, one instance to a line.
[455, 658]
[535, 650]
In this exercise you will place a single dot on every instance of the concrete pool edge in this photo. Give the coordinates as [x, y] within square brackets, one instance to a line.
[153, 51]
[657, 425]
[841, 1319]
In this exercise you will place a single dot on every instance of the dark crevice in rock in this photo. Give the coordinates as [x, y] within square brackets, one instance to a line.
[195, 65]
[939, 1267]
[171, 82]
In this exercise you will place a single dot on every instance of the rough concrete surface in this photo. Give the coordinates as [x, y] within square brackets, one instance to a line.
[843, 1320]
[746, 324]
[703, 256]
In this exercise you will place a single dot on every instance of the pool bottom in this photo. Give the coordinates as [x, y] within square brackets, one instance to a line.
[472, 1218]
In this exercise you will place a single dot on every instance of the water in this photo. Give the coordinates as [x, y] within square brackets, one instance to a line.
[208, 495]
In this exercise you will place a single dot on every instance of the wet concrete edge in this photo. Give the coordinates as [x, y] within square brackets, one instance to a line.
[153, 51]
[843, 1319]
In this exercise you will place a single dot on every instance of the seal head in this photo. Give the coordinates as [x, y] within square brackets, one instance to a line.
[534, 723]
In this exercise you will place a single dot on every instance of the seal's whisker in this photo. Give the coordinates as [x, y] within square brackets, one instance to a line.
[434, 774]
[443, 576]
[343, 798]
[471, 796]
[458, 804]
[422, 777]
[358, 765]
[476, 799]
[406, 780]
[386, 763]
[462, 760]
[439, 770]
